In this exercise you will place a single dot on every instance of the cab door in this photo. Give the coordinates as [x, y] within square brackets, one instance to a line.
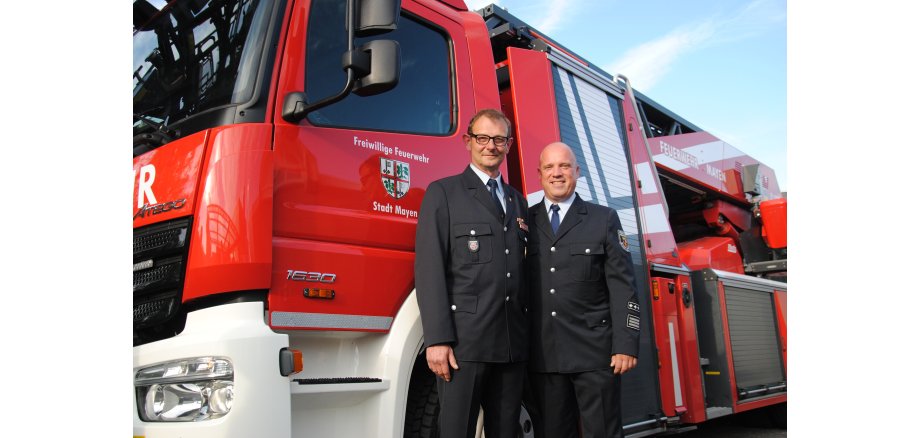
[350, 177]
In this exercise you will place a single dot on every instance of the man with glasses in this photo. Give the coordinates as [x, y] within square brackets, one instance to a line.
[469, 278]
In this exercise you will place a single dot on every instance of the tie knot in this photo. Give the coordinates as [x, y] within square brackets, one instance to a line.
[492, 184]
[554, 207]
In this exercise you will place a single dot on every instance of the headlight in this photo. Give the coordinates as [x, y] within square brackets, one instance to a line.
[194, 389]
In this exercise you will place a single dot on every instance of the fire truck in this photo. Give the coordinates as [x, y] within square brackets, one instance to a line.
[281, 152]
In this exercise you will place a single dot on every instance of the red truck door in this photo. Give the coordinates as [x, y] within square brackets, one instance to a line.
[350, 177]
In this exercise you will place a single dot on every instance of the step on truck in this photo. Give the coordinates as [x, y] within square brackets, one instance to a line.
[281, 153]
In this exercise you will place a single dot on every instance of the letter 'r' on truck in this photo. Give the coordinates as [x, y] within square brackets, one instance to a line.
[281, 152]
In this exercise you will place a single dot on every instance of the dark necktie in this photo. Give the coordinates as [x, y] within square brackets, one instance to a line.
[493, 187]
[554, 221]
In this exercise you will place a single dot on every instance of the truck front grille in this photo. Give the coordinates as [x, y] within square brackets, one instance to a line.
[160, 254]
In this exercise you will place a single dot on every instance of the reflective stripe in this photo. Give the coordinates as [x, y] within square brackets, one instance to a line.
[644, 173]
[330, 321]
[656, 221]
[705, 153]
[678, 398]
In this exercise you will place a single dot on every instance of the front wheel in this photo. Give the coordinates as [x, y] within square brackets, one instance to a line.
[525, 424]
[422, 407]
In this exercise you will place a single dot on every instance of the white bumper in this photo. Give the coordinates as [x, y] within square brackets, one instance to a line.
[262, 396]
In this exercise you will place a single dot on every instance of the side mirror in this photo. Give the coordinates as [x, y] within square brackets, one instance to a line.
[384, 68]
[376, 17]
[371, 69]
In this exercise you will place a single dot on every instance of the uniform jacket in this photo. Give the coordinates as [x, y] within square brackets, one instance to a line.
[583, 301]
[469, 270]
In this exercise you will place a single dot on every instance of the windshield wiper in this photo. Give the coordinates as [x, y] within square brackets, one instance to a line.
[159, 127]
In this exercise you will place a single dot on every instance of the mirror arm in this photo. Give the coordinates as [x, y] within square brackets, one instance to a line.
[296, 102]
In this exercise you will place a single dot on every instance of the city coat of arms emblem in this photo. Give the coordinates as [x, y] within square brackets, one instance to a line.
[395, 177]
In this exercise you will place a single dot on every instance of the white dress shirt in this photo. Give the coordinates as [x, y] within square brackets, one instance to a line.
[485, 178]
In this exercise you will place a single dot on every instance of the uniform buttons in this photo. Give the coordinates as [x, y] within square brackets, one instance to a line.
[472, 232]
[552, 291]
[506, 251]
[507, 298]
[587, 251]
[552, 269]
[453, 307]
[603, 320]
[506, 228]
[509, 275]
[552, 249]
[553, 314]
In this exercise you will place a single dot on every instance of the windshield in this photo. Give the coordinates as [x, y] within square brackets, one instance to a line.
[191, 57]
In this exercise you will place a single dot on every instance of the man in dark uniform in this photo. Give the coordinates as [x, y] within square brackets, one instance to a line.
[585, 314]
[469, 279]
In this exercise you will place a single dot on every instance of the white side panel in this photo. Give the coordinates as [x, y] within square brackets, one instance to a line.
[356, 409]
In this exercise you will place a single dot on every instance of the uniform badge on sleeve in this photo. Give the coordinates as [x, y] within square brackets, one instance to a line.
[632, 321]
[623, 241]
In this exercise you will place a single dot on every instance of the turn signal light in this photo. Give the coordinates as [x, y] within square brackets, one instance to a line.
[291, 361]
[326, 294]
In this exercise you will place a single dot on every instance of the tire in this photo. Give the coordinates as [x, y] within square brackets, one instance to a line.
[777, 415]
[422, 407]
[525, 424]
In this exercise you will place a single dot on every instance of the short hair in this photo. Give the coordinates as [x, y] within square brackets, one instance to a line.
[493, 115]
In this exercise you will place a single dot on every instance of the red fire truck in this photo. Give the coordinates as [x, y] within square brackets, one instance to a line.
[281, 152]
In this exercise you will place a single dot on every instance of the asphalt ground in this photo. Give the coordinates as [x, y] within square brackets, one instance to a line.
[753, 424]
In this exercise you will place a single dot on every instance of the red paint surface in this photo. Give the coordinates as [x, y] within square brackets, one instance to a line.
[779, 299]
[773, 215]
[177, 166]
[712, 252]
[664, 312]
[688, 349]
[533, 101]
[231, 231]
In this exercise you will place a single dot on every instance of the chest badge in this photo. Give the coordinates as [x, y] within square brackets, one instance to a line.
[473, 244]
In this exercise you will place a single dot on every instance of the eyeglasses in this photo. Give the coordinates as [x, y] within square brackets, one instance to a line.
[497, 140]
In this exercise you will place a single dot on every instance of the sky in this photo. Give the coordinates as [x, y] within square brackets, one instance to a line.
[721, 65]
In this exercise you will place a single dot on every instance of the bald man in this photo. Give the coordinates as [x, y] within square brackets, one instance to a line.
[584, 314]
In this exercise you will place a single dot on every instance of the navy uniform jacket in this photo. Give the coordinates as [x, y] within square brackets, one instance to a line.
[585, 275]
[469, 270]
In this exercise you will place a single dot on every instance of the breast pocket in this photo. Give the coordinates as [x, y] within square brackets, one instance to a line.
[587, 261]
[473, 243]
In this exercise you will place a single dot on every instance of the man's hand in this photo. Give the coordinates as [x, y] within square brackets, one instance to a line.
[439, 357]
[620, 363]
